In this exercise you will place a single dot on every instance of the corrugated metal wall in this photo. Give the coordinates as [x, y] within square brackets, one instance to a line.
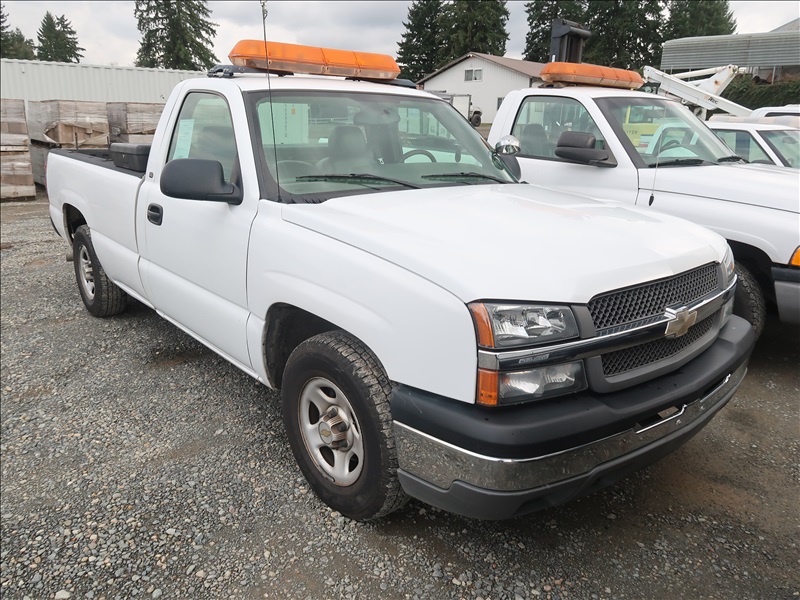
[40, 80]
[772, 49]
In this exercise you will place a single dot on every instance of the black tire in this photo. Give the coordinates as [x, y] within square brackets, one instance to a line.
[749, 302]
[336, 370]
[100, 295]
[475, 120]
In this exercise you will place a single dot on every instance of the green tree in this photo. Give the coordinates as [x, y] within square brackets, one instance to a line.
[58, 41]
[690, 18]
[176, 34]
[421, 46]
[625, 34]
[13, 44]
[541, 14]
[474, 26]
[4, 27]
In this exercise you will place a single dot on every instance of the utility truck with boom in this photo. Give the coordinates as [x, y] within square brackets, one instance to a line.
[436, 328]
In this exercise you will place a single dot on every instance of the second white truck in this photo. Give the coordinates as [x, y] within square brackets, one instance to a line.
[600, 139]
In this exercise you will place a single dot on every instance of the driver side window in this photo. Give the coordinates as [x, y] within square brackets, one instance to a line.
[205, 130]
[542, 119]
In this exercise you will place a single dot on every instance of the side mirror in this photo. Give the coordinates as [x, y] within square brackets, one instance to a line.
[578, 146]
[198, 179]
[506, 145]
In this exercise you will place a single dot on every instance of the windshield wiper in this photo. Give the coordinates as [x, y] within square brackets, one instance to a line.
[356, 178]
[464, 175]
[680, 161]
[731, 158]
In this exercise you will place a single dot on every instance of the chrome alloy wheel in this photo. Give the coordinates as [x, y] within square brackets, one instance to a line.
[87, 274]
[331, 432]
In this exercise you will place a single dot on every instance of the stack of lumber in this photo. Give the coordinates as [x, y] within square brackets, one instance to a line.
[68, 123]
[133, 122]
[16, 176]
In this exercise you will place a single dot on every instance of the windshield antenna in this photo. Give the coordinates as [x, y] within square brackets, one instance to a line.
[264, 14]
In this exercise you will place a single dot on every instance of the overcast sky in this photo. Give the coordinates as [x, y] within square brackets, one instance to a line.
[107, 30]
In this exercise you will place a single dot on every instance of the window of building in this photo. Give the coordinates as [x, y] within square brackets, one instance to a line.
[473, 75]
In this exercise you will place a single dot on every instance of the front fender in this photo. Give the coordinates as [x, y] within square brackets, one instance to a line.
[421, 333]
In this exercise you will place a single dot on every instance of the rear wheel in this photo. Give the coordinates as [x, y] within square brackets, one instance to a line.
[749, 300]
[100, 295]
[336, 412]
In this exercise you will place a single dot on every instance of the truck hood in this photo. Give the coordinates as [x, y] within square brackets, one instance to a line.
[513, 241]
[759, 185]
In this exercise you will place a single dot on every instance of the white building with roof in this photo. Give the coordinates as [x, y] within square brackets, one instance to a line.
[486, 78]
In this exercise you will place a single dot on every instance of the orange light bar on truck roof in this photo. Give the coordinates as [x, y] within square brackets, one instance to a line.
[564, 72]
[293, 58]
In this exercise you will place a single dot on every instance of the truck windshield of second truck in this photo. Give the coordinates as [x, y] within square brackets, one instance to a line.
[322, 144]
[663, 132]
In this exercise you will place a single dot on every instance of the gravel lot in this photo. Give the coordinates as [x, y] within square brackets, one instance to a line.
[138, 464]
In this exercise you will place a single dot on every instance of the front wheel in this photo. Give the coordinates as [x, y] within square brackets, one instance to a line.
[336, 412]
[748, 301]
[100, 295]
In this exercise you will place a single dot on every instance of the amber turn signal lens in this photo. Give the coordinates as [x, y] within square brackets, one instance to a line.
[487, 387]
[483, 324]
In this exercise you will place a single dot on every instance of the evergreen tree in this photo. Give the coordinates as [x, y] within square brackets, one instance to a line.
[541, 14]
[474, 26]
[5, 30]
[690, 18]
[176, 34]
[419, 51]
[625, 34]
[58, 41]
[13, 44]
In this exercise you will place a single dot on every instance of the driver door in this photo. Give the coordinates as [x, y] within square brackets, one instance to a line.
[194, 256]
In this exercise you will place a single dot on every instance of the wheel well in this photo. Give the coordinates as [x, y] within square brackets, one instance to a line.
[757, 262]
[286, 328]
[73, 218]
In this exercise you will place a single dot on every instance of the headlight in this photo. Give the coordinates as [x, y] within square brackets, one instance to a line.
[512, 325]
[728, 266]
[501, 387]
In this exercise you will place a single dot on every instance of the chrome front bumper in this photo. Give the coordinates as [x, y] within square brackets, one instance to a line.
[441, 464]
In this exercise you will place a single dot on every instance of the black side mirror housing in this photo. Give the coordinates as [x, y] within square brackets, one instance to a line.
[578, 146]
[198, 179]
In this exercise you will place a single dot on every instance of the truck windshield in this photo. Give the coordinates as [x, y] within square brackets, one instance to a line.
[786, 145]
[317, 145]
[659, 131]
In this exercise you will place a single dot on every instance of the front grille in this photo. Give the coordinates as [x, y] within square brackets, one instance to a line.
[649, 300]
[622, 361]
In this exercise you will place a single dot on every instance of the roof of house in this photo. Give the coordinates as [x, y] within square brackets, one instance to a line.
[524, 67]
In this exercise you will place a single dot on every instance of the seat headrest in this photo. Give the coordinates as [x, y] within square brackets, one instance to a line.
[347, 141]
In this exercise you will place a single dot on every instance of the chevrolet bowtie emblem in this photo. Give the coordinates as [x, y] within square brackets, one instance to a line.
[680, 321]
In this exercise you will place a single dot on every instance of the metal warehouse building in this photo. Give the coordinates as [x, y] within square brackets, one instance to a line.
[770, 55]
[41, 80]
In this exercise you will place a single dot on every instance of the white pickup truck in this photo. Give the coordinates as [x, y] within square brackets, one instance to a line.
[436, 328]
[645, 150]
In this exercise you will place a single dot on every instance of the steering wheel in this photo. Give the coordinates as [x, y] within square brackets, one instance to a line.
[668, 145]
[424, 153]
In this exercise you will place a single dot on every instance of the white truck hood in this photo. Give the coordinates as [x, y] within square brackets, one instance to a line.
[513, 242]
[759, 185]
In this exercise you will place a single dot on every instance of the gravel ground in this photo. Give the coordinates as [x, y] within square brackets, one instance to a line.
[138, 464]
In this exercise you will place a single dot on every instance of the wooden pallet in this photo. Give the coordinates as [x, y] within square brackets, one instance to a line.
[133, 122]
[69, 123]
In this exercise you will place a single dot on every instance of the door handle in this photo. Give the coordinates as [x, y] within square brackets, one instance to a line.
[155, 214]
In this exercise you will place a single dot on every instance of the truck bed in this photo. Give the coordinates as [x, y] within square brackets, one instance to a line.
[100, 157]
